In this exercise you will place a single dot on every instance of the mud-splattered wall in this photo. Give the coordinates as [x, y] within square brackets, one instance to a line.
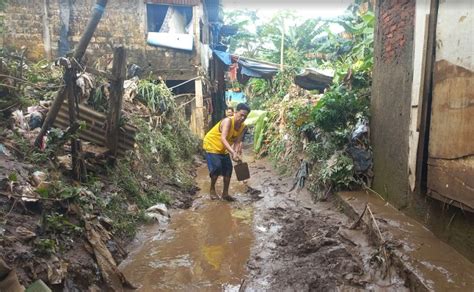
[391, 98]
[123, 23]
[449, 149]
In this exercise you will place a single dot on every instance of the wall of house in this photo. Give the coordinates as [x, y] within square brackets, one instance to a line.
[395, 74]
[450, 161]
[123, 23]
[391, 98]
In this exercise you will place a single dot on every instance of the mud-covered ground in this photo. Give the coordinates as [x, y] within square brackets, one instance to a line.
[305, 246]
[298, 245]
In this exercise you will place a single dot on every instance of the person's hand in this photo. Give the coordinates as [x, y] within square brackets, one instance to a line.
[236, 157]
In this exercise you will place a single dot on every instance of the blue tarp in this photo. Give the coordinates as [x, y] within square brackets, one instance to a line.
[223, 56]
[235, 96]
[250, 72]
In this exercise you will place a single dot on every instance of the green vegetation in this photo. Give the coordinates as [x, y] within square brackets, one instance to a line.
[311, 126]
[156, 96]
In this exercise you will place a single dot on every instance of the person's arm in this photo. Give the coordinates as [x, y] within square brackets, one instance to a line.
[238, 142]
[225, 128]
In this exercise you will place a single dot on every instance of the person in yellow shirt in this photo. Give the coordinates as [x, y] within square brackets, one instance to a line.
[223, 143]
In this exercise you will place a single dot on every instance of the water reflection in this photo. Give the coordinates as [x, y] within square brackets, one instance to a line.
[205, 249]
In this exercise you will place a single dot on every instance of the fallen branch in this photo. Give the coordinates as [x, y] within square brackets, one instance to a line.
[376, 225]
[9, 107]
[28, 82]
[367, 188]
[382, 240]
[356, 223]
[343, 236]
[11, 209]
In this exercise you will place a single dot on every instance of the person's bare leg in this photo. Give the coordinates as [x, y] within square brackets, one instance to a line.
[212, 191]
[225, 192]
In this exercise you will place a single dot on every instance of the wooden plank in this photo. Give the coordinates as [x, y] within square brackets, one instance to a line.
[424, 104]
[452, 116]
[448, 201]
[199, 109]
[453, 179]
[419, 63]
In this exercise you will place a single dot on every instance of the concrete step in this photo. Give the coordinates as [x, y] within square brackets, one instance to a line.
[427, 263]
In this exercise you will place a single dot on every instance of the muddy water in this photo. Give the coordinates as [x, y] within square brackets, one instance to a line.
[204, 248]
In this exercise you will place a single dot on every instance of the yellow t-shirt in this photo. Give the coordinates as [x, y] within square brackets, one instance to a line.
[212, 141]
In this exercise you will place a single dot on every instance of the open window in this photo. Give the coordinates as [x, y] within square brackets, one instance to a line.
[170, 26]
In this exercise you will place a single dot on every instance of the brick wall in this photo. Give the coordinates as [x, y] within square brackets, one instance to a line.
[24, 26]
[397, 19]
[123, 23]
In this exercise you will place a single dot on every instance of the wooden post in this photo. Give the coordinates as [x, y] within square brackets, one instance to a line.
[119, 71]
[199, 108]
[46, 32]
[79, 172]
[78, 54]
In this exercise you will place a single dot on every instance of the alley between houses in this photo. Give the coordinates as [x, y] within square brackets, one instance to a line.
[355, 121]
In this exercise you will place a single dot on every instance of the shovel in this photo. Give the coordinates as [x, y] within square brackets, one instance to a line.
[242, 171]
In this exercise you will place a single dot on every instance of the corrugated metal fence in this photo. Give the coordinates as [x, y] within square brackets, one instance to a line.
[95, 130]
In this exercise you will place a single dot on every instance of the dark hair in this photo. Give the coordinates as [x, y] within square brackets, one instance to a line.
[243, 106]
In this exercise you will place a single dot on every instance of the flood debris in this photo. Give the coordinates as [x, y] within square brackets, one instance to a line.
[8, 279]
[114, 279]
[159, 212]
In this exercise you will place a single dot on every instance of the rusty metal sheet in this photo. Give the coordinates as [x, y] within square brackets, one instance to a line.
[452, 114]
[95, 131]
[174, 2]
[453, 179]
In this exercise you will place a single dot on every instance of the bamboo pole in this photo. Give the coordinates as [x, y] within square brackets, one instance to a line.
[78, 54]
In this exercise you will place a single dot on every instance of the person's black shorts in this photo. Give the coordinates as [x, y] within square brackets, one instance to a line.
[219, 164]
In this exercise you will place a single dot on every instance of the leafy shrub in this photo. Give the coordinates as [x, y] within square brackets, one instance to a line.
[338, 171]
[338, 109]
[156, 96]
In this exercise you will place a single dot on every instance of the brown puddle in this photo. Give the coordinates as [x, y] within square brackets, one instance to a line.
[203, 248]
